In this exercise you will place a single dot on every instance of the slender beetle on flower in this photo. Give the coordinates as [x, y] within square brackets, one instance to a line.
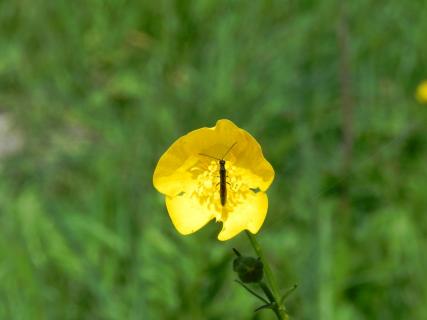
[190, 180]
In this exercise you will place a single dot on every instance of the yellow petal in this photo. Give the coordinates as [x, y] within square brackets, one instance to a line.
[421, 93]
[247, 154]
[171, 180]
[249, 214]
[187, 214]
[172, 174]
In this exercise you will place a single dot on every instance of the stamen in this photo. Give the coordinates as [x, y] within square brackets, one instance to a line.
[207, 187]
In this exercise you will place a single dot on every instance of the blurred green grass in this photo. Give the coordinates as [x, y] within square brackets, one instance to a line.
[93, 92]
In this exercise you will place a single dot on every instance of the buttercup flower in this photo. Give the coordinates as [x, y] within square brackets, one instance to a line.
[421, 93]
[188, 174]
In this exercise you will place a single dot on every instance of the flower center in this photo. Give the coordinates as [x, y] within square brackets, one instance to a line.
[208, 187]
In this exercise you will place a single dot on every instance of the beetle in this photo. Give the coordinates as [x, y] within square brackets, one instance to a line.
[222, 175]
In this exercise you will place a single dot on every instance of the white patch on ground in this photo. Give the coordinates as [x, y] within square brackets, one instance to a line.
[11, 140]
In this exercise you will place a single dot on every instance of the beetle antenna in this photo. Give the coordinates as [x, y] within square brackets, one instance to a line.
[229, 149]
[206, 155]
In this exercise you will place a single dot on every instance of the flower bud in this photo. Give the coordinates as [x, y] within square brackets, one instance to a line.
[248, 269]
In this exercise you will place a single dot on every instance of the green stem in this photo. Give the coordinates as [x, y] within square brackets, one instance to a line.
[251, 291]
[279, 309]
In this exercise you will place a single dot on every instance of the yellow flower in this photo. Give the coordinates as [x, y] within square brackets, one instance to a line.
[421, 93]
[188, 175]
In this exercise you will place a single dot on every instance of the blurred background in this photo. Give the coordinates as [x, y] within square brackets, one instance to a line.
[93, 92]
